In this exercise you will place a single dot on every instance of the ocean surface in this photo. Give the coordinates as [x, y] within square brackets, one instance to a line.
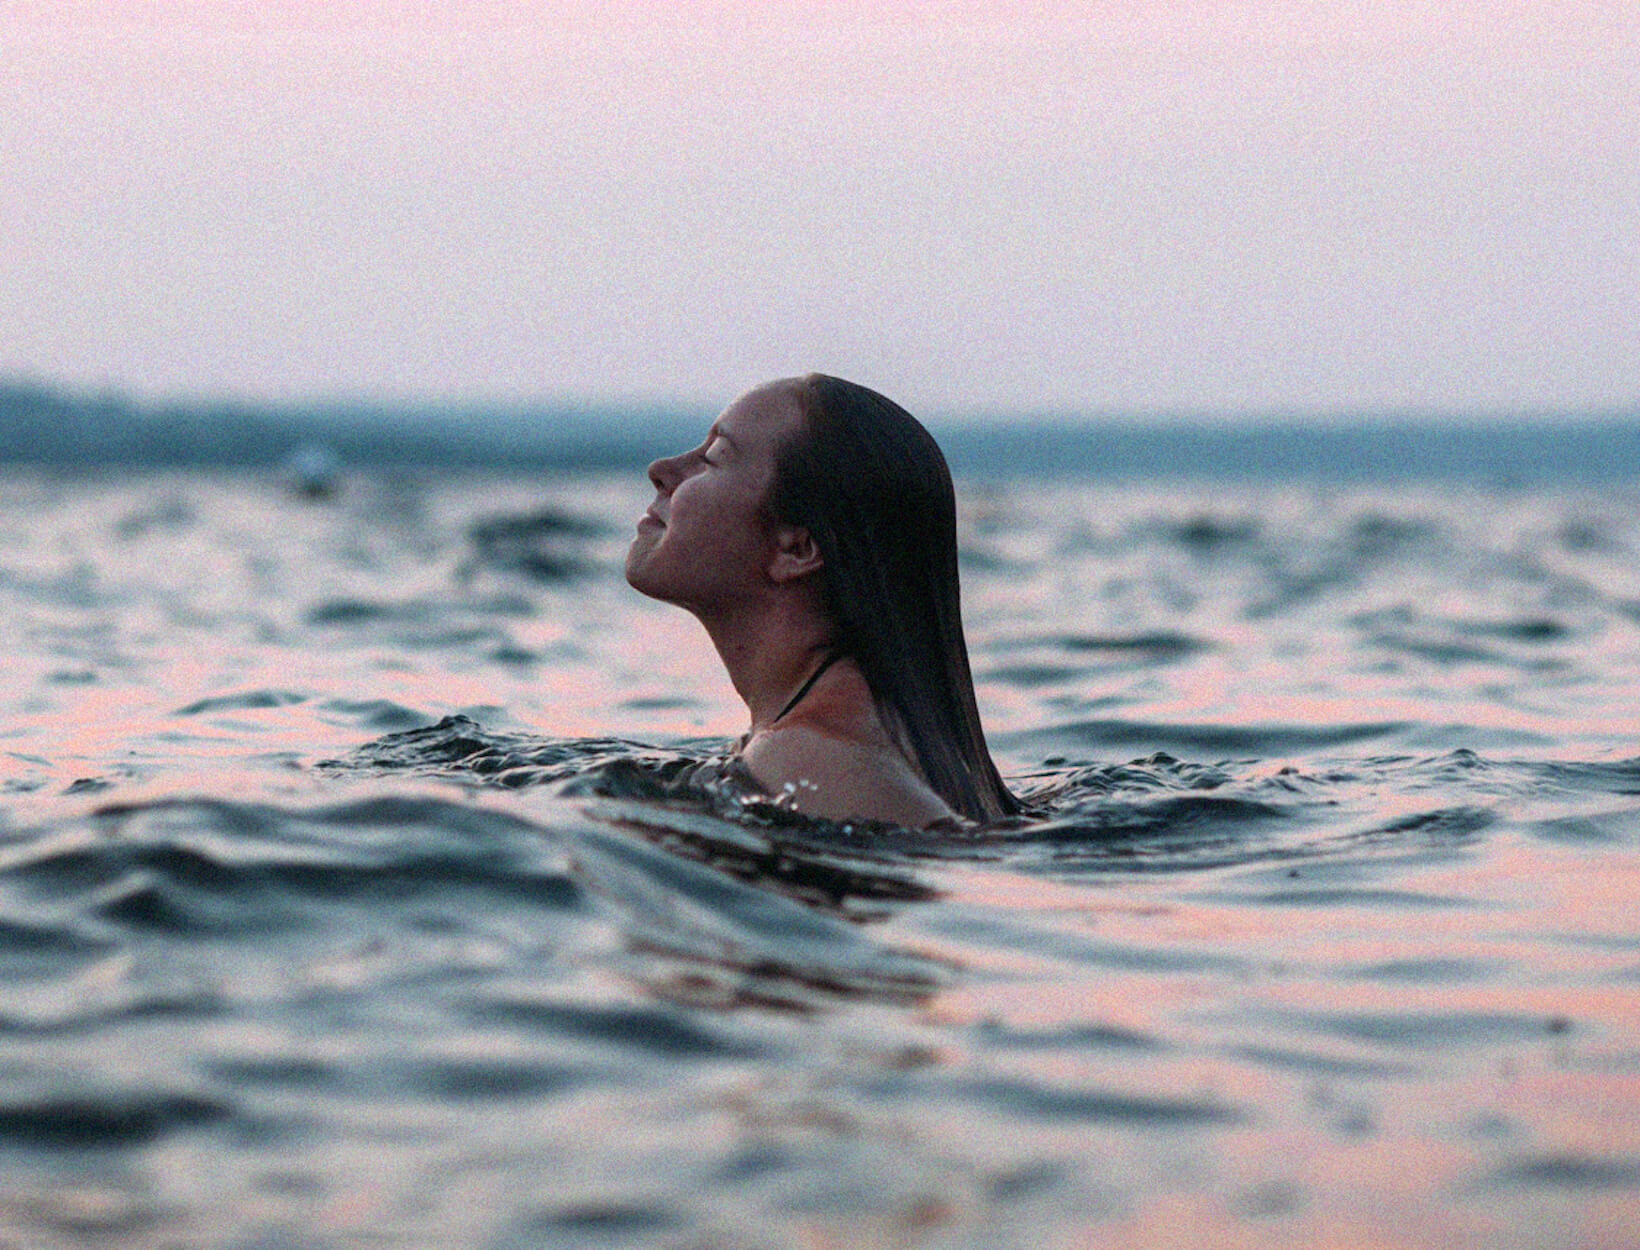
[350, 897]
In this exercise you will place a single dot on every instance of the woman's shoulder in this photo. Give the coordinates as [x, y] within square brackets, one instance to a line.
[839, 776]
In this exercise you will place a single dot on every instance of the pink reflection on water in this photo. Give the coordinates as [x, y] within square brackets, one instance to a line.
[1447, 1060]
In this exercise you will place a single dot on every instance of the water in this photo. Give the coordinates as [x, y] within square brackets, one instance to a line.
[349, 897]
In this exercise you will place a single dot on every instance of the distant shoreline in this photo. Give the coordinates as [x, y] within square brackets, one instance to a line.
[49, 427]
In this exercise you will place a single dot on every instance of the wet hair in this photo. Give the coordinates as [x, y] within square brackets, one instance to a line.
[871, 487]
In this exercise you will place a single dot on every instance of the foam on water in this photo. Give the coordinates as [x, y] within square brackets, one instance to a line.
[354, 887]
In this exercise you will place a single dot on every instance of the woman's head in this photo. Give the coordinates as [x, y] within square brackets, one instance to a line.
[708, 540]
[869, 485]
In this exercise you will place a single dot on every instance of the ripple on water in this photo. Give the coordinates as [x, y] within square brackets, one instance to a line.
[1612, 828]
[467, 1077]
[1575, 1172]
[1611, 777]
[191, 868]
[377, 714]
[1320, 1062]
[1434, 970]
[1246, 741]
[1093, 1037]
[659, 1029]
[242, 701]
[1351, 896]
[1039, 1100]
[1149, 647]
[107, 1118]
[605, 1221]
[1432, 1031]
[344, 612]
[547, 545]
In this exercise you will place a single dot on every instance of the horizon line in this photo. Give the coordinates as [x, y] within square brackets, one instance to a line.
[337, 403]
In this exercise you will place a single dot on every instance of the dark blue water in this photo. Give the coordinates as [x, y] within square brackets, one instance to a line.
[352, 893]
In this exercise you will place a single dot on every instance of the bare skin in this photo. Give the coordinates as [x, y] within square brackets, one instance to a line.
[707, 544]
[832, 755]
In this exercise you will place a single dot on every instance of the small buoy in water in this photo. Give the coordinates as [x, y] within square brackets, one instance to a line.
[313, 471]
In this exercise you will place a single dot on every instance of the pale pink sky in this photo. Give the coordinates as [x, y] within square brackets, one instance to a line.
[1220, 206]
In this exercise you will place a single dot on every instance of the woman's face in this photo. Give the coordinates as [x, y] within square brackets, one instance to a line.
[706, 540]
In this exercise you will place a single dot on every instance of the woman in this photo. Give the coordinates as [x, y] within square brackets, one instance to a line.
[813, 534]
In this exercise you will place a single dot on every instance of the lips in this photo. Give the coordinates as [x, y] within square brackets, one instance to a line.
[649, 518]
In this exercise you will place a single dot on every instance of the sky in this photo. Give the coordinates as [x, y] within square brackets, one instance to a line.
[1196, 206]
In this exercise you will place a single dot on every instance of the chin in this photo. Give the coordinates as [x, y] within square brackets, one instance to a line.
[638, 575]
[634, 572]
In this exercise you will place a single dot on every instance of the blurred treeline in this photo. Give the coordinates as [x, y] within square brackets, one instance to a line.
[52, 426]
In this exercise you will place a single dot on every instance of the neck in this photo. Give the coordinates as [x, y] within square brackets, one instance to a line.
[769, 653]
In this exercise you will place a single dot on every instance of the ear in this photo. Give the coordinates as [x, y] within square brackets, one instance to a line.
[796, 555]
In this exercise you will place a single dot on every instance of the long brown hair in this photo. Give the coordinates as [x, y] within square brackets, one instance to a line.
[870, 485]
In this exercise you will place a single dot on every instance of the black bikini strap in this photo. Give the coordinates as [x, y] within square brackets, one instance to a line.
[831, 658]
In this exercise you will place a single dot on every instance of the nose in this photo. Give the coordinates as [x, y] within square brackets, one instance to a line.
[663, 473]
